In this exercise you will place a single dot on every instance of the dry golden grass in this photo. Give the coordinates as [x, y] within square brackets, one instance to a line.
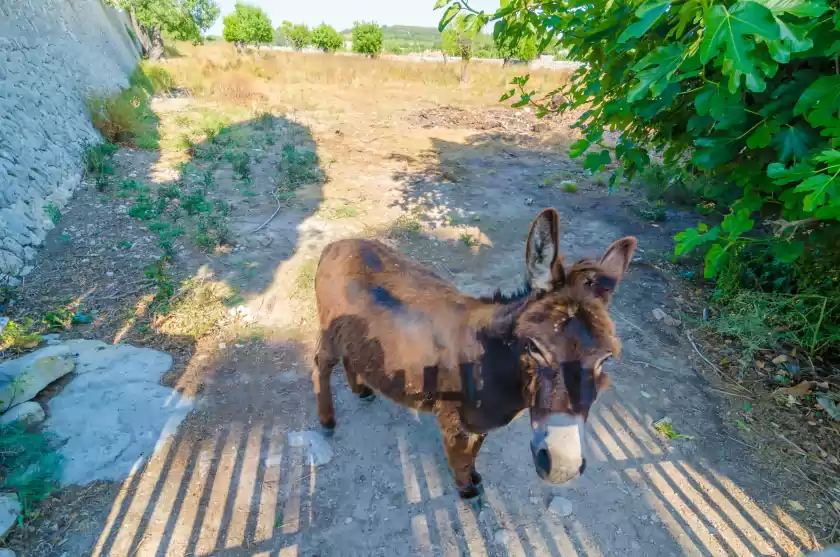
[294, 80]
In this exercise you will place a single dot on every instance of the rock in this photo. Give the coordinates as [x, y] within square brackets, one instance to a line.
[9, 511]
[27, 412]
[316, 446]
[500, 537]
[114, 414]
[560, 506]
[23, 378]
[660, 315]
[51, 339]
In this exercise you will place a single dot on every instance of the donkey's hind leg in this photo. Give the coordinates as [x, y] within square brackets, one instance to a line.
[356, 384]
[322, 367]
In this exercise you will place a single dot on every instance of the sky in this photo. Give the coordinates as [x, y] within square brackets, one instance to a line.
[342, 13]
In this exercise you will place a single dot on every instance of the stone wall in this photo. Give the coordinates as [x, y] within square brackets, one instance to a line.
[51, 53]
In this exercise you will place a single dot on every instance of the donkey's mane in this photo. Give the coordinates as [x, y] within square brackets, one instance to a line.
[498, 297]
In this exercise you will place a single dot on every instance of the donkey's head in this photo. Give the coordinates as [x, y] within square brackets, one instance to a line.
[566, 334]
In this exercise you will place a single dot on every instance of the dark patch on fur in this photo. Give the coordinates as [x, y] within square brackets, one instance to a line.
[580, 385]
[382, 297]
[370, 259]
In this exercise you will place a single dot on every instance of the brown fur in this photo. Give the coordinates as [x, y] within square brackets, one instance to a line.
[404, 332]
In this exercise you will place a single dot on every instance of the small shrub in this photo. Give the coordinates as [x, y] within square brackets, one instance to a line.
[569, 187]
[143, 208]
[195, 202]
[211, 232]
[300, 166]
[125, 116]
[241, 162]
[29, 465]
[98, 159]
[17, 338]
[52, 211]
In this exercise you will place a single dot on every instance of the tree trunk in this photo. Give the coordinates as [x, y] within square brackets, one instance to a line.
[156, 50]
[151, 41]
[140, 32]
[464, 64]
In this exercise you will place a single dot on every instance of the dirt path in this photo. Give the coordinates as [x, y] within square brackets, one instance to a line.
[460, 200]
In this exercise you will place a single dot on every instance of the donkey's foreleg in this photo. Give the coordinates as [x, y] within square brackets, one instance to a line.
[322, 367]
[461, 451]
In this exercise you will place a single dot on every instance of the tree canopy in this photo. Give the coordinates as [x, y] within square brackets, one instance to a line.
[744, 93]
[327, 38]
[367, 39]
[179, 19]
[282, 33]
[247, 25]
[300, 36]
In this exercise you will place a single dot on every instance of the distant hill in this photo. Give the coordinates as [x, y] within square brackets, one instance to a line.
[405, 39]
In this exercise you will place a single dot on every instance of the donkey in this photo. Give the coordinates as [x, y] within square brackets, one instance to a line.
[477, 363]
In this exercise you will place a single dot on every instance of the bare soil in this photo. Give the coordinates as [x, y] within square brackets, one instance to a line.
[455, 188]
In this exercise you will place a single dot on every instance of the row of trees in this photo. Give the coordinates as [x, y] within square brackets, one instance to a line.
[251, 25]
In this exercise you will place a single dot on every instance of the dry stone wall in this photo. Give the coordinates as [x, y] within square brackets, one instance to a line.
[52, 52]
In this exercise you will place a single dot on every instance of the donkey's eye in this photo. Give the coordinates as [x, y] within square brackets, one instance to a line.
[535, 351]
[602, 361]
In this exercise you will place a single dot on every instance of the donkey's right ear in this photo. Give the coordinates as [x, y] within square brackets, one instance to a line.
[542, 252]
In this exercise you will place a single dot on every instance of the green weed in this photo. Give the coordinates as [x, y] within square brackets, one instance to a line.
[51, 209]
[29, 465]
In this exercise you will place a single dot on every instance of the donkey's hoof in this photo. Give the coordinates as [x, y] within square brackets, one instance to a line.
[367, 394]
[472, 495]
[328, 429]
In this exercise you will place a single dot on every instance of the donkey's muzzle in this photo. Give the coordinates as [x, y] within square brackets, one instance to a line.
[557, 450]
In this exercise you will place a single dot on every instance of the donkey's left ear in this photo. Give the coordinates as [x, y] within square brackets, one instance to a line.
[542, 252]
[615, 263]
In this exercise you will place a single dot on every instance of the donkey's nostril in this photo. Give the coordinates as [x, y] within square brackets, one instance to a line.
[542, 461]
[582, 468]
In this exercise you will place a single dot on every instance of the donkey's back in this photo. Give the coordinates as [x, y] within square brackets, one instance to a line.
[390, 320]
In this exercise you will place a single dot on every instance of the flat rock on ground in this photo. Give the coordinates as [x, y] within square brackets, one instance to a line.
[113, 414]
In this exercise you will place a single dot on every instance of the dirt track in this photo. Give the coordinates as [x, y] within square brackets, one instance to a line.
[230, 484]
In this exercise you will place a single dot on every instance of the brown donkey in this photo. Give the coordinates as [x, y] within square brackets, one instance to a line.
[477, 363]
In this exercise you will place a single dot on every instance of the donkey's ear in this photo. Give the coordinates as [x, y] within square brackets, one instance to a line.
[615, 263]
[541, 252]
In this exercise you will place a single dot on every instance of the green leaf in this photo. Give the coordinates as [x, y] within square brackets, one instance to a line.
[595, 161]
[449, 15]
[788, 252]
[730, 31]
[714, 261]
[782, 175]
[819, 186]
[647, 15]
[712, 152]
[655, 71]
[792, 39]
[820, 102]
[762, 135]
[440, 3]
[691, 238]
[578, 147]
[800, 8]
[792, 142]
[736, 223]
[507, 95]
